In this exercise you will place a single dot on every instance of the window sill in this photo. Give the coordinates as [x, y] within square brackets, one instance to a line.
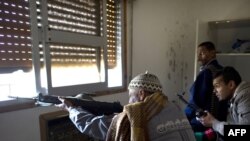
[23, 103]
[16, 104]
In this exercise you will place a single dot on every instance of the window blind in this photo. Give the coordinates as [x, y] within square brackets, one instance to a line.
[72, 54]
[81, 17]
[112, 28]
[77, 16]
[15, 42]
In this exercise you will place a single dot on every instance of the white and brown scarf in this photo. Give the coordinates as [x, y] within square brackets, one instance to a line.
[131, 124]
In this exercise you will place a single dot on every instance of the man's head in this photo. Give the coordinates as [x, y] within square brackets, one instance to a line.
[206, 52]
[143, 85]
[225, 82]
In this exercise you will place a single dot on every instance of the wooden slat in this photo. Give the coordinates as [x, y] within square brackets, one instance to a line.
[70, 28]
[73, 26]
[73, 51]
[18, 48]
[12, 17]
[17, 2]
[12, 25]
[15, 32]
[15, 9]
[15, 55]
[74, 14]
[67, 64]
[8, 63]
[16, 40]
[73, 7]
[74, 20]
[72, 57]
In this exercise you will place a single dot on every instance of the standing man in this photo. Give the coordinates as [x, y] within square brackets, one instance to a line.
[149, 116]
[228, 85]
[201, 92]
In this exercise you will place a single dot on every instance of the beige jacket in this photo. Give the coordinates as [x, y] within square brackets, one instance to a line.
[239, 111]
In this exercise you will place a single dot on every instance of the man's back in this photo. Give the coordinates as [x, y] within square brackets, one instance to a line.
[170, 124]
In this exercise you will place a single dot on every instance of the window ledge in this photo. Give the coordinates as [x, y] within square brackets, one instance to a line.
[24, 103]
[16, 104]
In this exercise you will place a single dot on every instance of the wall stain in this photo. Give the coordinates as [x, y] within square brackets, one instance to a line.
[177, 66]
[169, 76]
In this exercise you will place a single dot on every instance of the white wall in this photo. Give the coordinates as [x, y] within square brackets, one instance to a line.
[164, 36]
[163, 41]
[22, 125]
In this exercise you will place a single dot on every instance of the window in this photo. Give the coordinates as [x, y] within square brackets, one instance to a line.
[15, 49]
[61, 47]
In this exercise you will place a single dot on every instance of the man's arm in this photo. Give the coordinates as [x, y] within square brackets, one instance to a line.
[87, 123]
[244, 110]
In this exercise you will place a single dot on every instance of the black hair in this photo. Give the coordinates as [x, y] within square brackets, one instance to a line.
[229, 73]
[208, 45]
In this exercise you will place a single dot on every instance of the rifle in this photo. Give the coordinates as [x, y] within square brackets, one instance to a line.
[95, 107]
[198, 111]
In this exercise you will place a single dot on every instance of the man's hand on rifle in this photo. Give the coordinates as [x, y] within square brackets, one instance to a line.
[207, 120]
[66, 104]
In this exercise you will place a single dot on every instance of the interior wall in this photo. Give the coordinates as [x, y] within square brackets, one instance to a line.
[163, 42]
[22, 125]
[164, 36]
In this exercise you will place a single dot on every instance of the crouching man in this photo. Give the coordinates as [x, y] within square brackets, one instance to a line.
[149, 116]
[228, 85]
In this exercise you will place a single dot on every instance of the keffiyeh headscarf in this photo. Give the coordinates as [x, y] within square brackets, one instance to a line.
[131, 124]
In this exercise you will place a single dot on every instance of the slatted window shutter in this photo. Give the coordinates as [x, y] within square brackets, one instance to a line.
[94, 28]
[83, 17]
[79, 16]
[15, 41]
[112, 31]
[76, 16]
